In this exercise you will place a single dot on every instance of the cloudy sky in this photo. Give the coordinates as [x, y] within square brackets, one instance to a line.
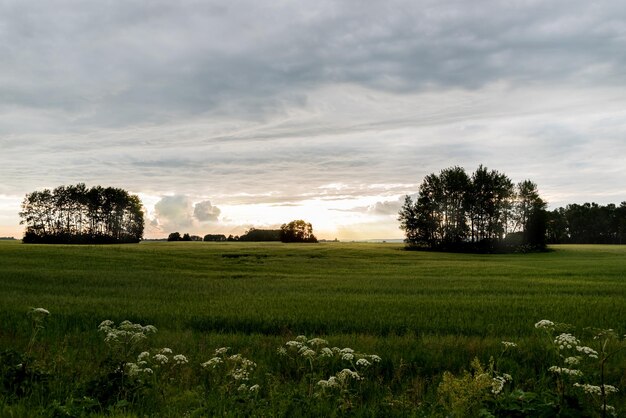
[223, 115]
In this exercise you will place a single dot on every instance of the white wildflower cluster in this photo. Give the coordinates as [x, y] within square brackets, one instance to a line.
[341, 380]
[235, 366]
[245, 389]
[126, 335]
[596, 390]
[572, 360]
[566, 341]
[316, 349]
[498, 382]
[588, 351]
[508, 344]
[148, 363]
[38, 314]
[565, 371]
[545, 324]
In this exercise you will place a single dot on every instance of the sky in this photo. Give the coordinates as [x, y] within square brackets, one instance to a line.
[226, 115]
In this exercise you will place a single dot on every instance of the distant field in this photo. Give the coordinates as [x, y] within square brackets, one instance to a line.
[433, 311]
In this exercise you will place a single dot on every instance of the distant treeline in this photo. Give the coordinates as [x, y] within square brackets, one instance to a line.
[81, 215]
[294, 231]
[252, 234]
[588, 223]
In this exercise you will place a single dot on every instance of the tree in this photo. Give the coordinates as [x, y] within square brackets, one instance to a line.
[454, 211]
[76, 214]
[297, 231]
[174, 236]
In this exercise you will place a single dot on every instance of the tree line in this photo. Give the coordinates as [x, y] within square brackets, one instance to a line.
[588, 223]
[482, 212]
[78, 214]
[294, 231]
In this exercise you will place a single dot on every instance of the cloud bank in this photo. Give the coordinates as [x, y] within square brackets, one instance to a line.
[281, 104]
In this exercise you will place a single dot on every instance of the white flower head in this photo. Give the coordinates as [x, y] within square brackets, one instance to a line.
[363, 363]
[326, 352]
[180, 359]
[255, 388]
[160, 358]
[317, 342]
[545, 324]
[221, 351]
[347, 357]
[508, 344]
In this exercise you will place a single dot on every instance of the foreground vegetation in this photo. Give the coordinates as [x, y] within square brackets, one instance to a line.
[436, 321]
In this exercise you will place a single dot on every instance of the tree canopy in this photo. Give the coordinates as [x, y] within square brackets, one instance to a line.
[589, 223]
[77, 214]
[297, 231]
[482, 212]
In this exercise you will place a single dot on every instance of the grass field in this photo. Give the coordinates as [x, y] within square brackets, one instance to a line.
[422, 312]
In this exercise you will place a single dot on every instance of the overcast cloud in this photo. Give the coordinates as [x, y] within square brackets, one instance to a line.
[210, 107]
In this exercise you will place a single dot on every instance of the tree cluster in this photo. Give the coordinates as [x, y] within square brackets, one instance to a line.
[588, 223]
[484, 212]
[175, 236]
[297, 231]
[81, 215]
[258, 235]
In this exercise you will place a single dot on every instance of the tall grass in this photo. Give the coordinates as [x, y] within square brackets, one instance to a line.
[424, 313]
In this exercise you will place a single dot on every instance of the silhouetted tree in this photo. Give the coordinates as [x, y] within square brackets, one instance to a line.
[297, 231]
[215, 237]
[174, 236]
[258, 235]
[76, 214]
[454, 211]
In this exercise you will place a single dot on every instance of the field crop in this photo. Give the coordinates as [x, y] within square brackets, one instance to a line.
[423, 313]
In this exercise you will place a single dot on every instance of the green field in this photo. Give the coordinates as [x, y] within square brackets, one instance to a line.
[422, 312]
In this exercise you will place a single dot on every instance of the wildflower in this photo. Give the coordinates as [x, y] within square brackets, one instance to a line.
[213, 363]
[332, 382]
[508, 344]
[323, 383]
[497, 384]
[566, 341]
[572, 361]
[375, 358]
[346, 350]
[347, 357]
[296, 344]
[566, 371]
[545, 324]
[588, 351]
[107, 323]
[242, 388]
[336, 350]
[507, 377]
[160, 358]
[221, 351]
[317, 342]
[326, 352]
[308, 353]
[363, 363]
[143, 355]
[254, 388]
[596, 390]
[281, 351]
[149, 329]
[301, 339]
[346, 374]
[165, 350]
[147, 370]
[180, 359]
[39, 313]
[133, 369]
